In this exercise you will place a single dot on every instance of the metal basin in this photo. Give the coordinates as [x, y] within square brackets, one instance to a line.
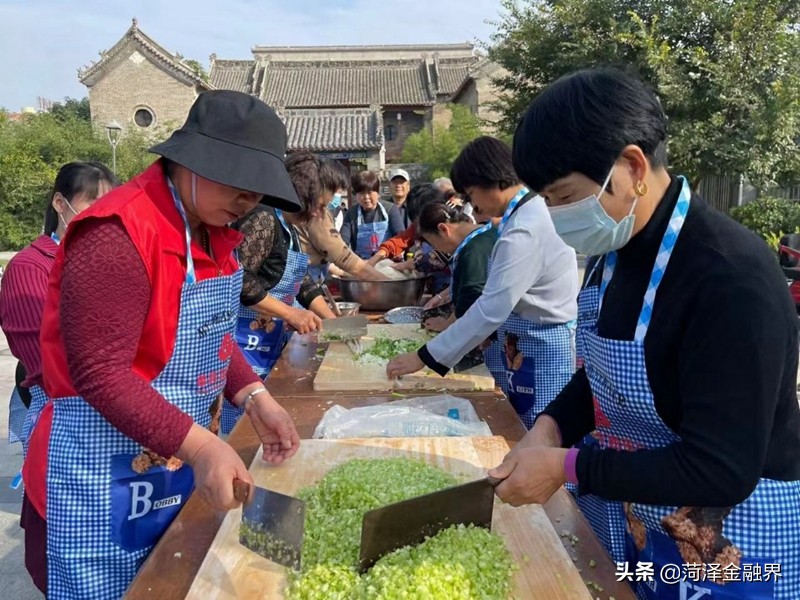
[382, 295]
[348, 309]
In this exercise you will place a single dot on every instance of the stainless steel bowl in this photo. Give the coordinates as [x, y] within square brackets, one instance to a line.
[348, 309]
[382, 295]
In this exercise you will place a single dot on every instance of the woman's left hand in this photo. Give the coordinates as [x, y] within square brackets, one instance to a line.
[274, 427]
[404, 364]
[437, 324]
[531, 475]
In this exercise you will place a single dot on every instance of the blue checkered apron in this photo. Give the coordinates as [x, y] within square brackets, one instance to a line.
[370, 236]
[31, 416]
[103, 518]
[587, 319]
[262, 345]
[548, 354]
[764, 529]
[547, 363]
[16, 417]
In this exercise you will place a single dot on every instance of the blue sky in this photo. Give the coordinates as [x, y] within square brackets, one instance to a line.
[44, 42]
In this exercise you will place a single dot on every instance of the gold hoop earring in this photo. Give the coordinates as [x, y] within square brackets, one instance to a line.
[640, 188]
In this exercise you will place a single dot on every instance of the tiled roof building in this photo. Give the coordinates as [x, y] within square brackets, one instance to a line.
[334, 129]
[355, 103]
[140, 84]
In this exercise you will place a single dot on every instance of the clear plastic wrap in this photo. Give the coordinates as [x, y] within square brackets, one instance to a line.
[426, 416]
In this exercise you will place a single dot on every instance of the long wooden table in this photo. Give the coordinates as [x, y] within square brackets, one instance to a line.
[171, 568]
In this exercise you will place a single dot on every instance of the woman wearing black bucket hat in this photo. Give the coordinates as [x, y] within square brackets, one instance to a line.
[138, 352]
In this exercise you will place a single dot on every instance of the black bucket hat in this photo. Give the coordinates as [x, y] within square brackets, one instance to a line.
[235, 139]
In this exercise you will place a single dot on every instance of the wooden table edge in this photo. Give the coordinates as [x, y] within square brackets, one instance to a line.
[165, 574]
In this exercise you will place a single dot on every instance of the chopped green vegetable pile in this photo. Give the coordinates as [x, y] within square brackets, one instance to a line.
[386, 349]
[330, 336]
[459, 562]
[261, 541]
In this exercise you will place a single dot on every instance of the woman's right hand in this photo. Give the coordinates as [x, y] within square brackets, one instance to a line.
[216, 465]
[303, 321]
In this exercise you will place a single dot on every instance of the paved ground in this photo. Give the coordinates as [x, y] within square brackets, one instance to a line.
[14, 579]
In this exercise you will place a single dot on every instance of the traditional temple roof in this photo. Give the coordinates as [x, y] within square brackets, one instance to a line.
[343, 79]
[334, 130]
[171, 63]
[376, 51]
[232, 74]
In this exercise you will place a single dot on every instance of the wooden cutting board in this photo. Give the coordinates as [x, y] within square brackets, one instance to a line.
[231, 571]
[340, 372]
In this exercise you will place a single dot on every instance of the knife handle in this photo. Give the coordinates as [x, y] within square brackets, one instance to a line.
[494, 481]
[331, 300]
[242, 490]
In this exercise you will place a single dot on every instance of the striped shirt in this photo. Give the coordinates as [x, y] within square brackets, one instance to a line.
[23, 290]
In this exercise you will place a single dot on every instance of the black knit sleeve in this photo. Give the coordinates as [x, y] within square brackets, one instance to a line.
[258, 228]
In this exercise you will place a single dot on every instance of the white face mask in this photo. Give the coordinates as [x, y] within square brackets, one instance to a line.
[69, 206]
[586, 226]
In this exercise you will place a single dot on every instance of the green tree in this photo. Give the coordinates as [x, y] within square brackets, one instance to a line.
[31, 152]
[727, 72]
[195, 66]
[439, 147]
[72, 108]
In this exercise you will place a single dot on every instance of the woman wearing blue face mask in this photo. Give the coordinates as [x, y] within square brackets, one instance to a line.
[688, 342]
[278, 291]
[320, 238]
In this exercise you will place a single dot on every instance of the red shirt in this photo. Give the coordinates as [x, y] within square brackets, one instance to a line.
[394, 247]
[22, 297]
[147, 211]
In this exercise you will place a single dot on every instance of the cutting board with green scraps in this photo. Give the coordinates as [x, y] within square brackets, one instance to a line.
[341, 371]
[232, 572]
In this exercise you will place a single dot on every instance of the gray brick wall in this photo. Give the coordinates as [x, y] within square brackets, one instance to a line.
[129, 84]
[409, 123]
[469, 98]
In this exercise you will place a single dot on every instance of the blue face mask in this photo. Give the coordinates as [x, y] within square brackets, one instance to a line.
[586, 226]
[335, 202]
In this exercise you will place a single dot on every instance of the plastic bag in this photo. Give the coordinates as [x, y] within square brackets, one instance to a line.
[429, 416]
[385, 268]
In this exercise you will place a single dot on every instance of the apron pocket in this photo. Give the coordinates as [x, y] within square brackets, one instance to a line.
[143, 505]
[262, 340]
